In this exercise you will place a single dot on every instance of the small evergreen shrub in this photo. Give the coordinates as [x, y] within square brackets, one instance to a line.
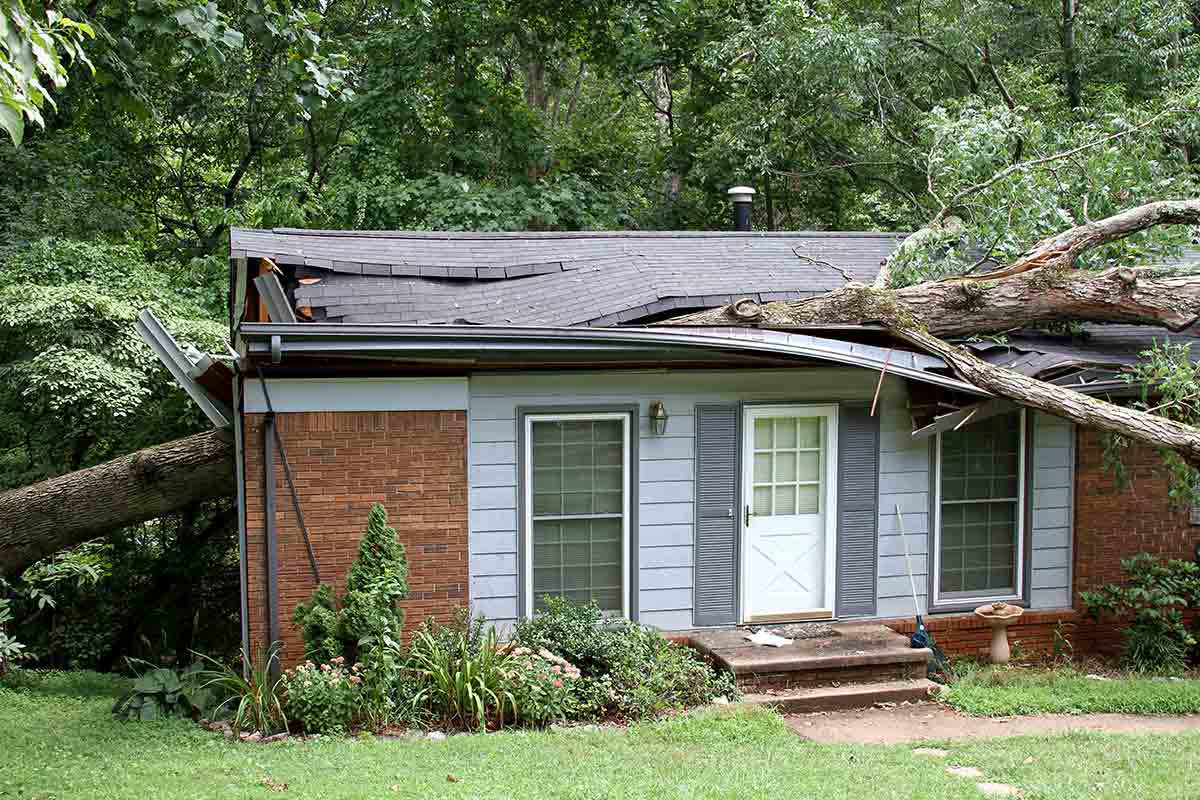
[323, 698]
[1152, 600]
[377, 581]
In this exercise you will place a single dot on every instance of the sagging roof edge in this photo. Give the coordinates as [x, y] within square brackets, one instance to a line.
[280, 339]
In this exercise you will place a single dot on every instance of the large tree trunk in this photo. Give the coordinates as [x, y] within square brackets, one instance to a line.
[965, 308]
[41, 519]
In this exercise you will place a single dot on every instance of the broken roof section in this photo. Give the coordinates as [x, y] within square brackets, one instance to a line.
[596, 279]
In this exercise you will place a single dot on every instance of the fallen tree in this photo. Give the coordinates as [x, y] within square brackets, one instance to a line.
[43, 518]
[1043, 286]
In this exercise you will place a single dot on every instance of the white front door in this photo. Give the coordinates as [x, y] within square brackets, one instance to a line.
[789, 511]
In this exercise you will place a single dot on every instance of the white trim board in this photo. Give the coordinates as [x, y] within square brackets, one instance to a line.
[358, 394]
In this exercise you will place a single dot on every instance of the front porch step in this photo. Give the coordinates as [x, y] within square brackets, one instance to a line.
[855, 653]
[840, 698]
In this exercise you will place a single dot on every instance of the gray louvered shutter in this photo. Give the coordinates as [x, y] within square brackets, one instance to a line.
[858, 513]
[716, 514]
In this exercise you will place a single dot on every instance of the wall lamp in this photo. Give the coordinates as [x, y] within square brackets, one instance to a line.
[658, 418]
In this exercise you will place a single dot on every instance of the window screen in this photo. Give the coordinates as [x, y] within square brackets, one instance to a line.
[980, 497]
[577, 508]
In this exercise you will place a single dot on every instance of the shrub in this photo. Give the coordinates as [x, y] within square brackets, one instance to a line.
[627, 669]
[160, 692]
[11, 651]
[1153, 600]
[252, 697]
[323, 699]
[544, 687]
[318, 623]
[378, 579]
[460, 686]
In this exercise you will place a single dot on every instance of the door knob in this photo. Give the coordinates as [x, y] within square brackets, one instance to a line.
[749, 514]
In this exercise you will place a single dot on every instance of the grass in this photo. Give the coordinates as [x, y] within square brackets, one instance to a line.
[59, 741]
[1008, 691]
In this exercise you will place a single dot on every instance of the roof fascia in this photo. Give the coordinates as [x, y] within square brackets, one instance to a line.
[315, 338]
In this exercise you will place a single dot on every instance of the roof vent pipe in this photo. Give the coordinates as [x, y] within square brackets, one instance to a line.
[743, 199]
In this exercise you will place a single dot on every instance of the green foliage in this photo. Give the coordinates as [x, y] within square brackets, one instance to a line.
[1001, 691]
[322, 698]
[30, 58]
[462, 687]
[11, 650]
[377, 581]
[1153, 599]
[1170, 386]
[318, 623]
[252, 696]
[545, 688]
[627, 669]
[160, 692]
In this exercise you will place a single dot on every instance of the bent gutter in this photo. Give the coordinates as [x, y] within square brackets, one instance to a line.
[277, 340]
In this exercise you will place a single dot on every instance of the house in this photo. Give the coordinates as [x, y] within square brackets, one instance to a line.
[532, 427]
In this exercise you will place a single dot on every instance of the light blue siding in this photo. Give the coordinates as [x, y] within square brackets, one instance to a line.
[666, 494]
[1053, 511]
[904, 481]
[906, 475]
[666, 466]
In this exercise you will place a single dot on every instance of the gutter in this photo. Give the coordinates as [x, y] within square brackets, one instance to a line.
[278, 340]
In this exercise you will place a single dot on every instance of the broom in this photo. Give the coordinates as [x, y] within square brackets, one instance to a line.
[922, 636]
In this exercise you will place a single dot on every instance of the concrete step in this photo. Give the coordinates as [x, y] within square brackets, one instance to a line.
[838, 698]
[861, 653]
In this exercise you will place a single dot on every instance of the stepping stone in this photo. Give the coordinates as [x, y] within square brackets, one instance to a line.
[932, 752]
[965, 772]
[998, 789]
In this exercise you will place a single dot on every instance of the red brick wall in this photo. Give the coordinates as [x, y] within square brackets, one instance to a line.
[1111, 523]
[414, 462]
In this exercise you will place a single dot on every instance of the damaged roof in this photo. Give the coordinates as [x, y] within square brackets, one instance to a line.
[597, 279]
[606, 279]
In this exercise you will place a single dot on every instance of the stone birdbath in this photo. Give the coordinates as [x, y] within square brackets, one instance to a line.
[999, 616]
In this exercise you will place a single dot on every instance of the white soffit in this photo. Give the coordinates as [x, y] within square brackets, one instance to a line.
[358, 394]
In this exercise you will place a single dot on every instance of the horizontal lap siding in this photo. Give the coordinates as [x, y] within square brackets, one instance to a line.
[666, 465]
[1052, 506]
[904, 481]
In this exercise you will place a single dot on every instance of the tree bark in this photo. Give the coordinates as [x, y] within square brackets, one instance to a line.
[1081, 409]
[951, 308]
[41, 519]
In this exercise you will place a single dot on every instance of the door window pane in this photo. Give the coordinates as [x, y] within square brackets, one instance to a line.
[578, 499]
[980, 503]
[788, 457]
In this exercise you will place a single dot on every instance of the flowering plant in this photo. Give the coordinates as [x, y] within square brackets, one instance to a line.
[542, 684]
[323, 698]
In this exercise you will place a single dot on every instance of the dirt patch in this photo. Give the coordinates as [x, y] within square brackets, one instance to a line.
[924, 721]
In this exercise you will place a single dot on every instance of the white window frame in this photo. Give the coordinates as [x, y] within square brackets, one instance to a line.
[962, 598]
[527, 495]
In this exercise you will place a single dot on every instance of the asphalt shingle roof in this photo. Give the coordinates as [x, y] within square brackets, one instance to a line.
[558, 278]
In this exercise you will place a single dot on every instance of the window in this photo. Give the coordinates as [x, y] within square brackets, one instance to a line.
[577, 509]
[980, 511]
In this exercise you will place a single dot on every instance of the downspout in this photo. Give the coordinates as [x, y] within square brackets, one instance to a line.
[239, 461]
[272, 544]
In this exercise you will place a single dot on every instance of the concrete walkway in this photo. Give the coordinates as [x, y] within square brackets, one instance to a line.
[930, 721]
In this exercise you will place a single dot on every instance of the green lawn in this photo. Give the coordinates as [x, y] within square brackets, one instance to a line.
[1005, 691]
[59, 744]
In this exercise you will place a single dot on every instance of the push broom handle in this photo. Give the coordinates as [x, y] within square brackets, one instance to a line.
[912, 582]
